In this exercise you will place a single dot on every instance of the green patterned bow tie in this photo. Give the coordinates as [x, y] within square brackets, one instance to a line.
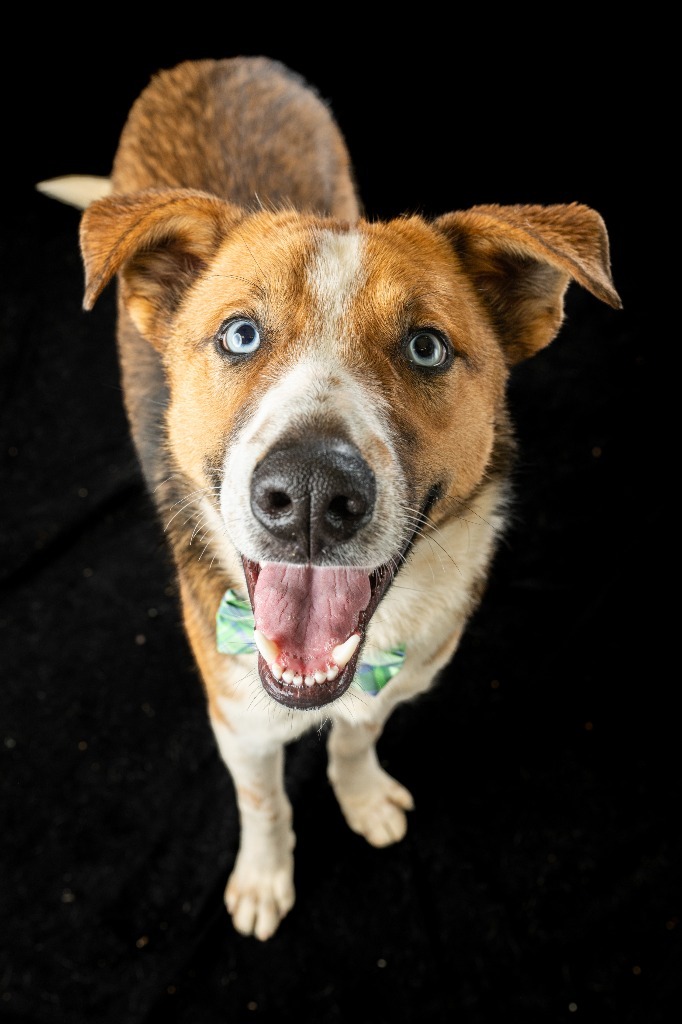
[234, 634]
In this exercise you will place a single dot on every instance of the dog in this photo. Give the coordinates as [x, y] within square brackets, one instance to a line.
[321, 400]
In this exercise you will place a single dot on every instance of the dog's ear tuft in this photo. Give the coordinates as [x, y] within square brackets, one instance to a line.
[521, 260]
[158, 242]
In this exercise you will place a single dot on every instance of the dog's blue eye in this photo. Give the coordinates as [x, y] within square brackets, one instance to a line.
[427, 349]
[240, 337]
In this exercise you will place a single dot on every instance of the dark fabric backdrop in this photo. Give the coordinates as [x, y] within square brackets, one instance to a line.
[540, 877]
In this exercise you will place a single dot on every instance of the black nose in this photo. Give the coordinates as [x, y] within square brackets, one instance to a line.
[312, 496]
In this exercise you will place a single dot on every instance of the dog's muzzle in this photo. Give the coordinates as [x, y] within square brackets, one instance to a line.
[314, 503]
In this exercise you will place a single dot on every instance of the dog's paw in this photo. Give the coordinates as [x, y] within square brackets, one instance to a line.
[378, 813]
[258, 899]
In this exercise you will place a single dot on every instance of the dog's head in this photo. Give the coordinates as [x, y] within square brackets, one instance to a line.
[335, 386]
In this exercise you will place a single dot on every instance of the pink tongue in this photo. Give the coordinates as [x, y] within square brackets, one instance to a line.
[307, 610]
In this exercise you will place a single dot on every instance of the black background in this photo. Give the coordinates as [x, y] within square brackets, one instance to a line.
[539, 880]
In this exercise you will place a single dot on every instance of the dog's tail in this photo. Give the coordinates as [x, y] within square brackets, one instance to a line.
[77, 190]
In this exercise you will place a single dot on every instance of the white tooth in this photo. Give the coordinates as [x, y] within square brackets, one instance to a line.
[276, 670]
[288, 675]
[333, 672]
[298, 679]
[267, 647]
[345, 651]
[320, 677]
[309, 681]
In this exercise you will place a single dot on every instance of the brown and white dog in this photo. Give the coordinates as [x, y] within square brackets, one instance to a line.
[321, 398]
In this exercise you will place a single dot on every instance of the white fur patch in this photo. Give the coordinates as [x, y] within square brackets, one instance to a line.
[335, 277]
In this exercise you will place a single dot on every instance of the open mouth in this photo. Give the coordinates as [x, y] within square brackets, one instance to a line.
[310, 626]
[310, 622]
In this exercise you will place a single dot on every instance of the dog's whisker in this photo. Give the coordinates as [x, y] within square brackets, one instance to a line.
[250, 252]
[473, 511]
[162, 483]
[204, 550]
[192, 494]
[186, 502]
[196, 529]
[399, 586]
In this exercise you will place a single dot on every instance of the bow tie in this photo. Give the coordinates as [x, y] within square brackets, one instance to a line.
[234, 635]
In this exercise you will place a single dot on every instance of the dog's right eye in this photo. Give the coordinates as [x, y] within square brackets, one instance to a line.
[239, 337]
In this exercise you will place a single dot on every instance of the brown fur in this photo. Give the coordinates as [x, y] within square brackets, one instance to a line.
[229, 180]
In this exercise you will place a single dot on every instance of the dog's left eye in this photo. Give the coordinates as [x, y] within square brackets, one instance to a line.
[427, 349]
[239, 337]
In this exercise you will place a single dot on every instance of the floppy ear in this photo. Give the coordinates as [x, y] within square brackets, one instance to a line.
[521, 260]
[158, 242]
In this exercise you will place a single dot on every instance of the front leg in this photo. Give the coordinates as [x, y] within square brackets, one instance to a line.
[373, 803]
[260, 890]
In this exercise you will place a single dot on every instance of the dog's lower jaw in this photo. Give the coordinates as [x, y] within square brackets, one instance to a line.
[302, 697]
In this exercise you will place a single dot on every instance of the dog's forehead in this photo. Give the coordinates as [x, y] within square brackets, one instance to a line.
[325, 271]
